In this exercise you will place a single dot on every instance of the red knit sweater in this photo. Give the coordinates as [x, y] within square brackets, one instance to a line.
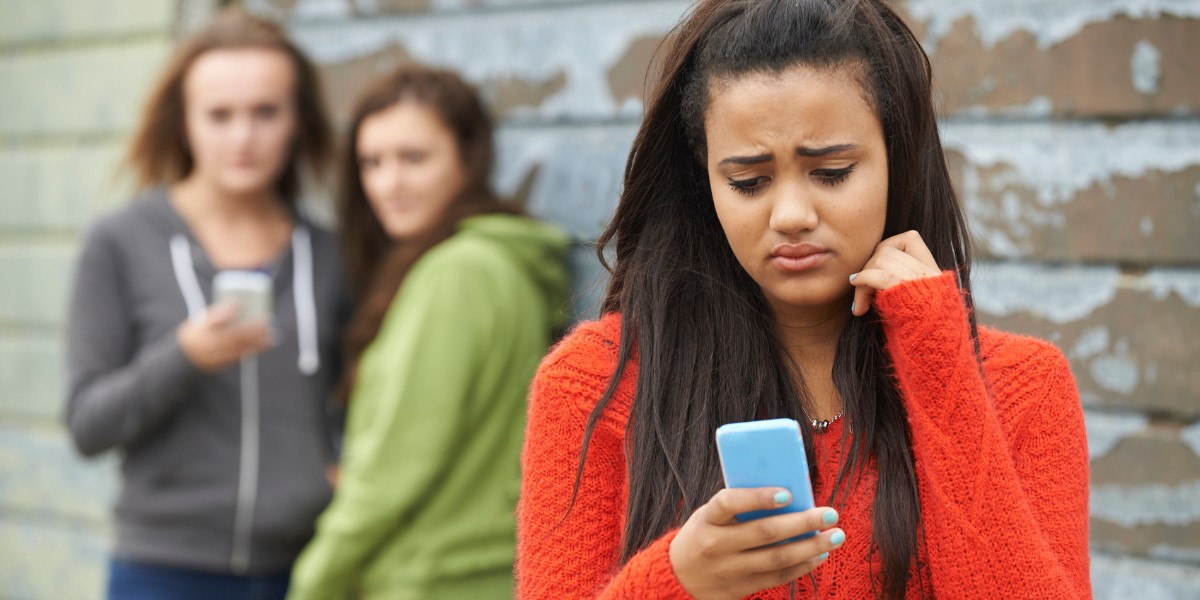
[1001, 459]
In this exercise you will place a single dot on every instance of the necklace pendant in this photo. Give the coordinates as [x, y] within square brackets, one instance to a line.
[820, 426]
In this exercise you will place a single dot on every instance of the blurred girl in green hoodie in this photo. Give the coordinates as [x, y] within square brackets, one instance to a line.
[459, 296]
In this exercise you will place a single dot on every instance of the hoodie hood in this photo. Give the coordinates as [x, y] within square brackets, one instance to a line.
[540, 248]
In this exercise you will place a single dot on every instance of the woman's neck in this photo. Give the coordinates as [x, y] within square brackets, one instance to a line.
[810, 338]
[236, 231]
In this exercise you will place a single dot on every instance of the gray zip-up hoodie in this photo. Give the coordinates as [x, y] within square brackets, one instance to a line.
[224, 471]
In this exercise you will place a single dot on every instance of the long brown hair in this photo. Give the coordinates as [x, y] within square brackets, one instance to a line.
[376, 264]
[158, 152]
[716, 357]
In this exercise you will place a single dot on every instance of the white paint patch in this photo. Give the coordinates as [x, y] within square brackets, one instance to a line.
[1190, 435]
[1106, 429]
[1050, 164]
[1116, 373]
[533, 45]
[1038, 107]
[1145, 68]
[1091, 342]
[1123, 577]
[1137, 505]
[1146, 226]
[1060, 295]
[1049, 21]
[1160, 283]
[1060, 160]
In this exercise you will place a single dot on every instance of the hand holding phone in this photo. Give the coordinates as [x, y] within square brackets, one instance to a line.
[766, 453]
[234, 326]
[748, 539]
[249, 290]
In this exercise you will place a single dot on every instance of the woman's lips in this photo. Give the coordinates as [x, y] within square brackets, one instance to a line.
[798, 257]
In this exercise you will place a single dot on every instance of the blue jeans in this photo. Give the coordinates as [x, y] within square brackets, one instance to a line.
[140, 581]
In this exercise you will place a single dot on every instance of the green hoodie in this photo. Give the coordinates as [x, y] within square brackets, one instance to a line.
[431, 464]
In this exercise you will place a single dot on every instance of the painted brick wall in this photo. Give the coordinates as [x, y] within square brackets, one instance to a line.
[1074, 129]
[72, 75]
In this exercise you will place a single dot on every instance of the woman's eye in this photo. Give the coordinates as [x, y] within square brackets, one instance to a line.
[266, 112]
[833, 176]
[367, 162]
[413, 156]
[747, 186]
[219, 115]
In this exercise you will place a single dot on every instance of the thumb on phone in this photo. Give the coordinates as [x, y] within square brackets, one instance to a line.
[222, 314]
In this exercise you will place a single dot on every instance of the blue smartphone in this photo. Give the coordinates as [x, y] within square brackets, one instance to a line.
[766, 454]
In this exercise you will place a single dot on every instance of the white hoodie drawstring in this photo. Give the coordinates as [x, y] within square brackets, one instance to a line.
[185, 275]
[306, 303]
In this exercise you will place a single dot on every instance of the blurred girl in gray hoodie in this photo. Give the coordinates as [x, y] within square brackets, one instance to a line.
[220, 421]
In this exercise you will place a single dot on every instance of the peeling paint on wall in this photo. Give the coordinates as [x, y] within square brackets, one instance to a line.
[1059, 295]
[1191, 436]
[1105, 430]
[1049, 21]
[583, 43]
[1121, 578]
[1131, 506]
[1145, 68]
[1060, 160]
[1184, 283]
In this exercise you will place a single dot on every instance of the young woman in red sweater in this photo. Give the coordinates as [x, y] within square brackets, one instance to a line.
[788, 244]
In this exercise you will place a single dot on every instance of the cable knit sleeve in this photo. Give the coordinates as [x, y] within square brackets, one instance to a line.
[1001, 459]
[577, 556]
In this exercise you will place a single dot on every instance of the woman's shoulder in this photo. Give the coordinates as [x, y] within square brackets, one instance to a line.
[138, 222]
[1025, 372]
[581, 365]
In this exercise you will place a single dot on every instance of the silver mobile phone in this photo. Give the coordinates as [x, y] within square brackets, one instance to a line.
[250, 290]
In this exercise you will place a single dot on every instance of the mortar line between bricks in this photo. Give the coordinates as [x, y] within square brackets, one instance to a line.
[43, 45]
[72, 521]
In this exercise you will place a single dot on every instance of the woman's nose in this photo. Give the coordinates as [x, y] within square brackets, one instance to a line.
[794, 209]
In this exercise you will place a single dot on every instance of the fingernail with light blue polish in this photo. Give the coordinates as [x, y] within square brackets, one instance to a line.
[830, 517]
[837, 538]
[782, 498]
[852, 306]
[852, 276]
[823, 556]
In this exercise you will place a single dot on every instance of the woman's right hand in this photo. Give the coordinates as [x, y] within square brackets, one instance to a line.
[217, 339]
[715, 556]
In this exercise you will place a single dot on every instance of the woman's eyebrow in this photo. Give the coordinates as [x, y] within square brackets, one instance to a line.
[827, 150]
[746, 160]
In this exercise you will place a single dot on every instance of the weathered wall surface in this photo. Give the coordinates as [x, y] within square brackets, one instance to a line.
[1074, 137]
[72, 77]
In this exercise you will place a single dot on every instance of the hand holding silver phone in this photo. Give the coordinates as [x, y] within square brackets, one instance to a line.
[249, 290]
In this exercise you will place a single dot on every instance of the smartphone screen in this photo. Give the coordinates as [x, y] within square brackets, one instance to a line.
[251, 290]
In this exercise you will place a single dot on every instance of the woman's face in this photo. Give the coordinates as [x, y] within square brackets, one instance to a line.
[798, 170]
[410, 166]
[240, 114]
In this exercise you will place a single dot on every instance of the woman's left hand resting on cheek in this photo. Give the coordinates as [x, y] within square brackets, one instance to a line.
[897, 259]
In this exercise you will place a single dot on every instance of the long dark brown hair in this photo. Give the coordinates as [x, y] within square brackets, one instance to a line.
[376, 264]
[708, 348]
[158, 151]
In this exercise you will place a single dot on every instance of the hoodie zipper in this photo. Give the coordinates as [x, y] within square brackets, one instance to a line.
[247, 492]
[308, 363]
